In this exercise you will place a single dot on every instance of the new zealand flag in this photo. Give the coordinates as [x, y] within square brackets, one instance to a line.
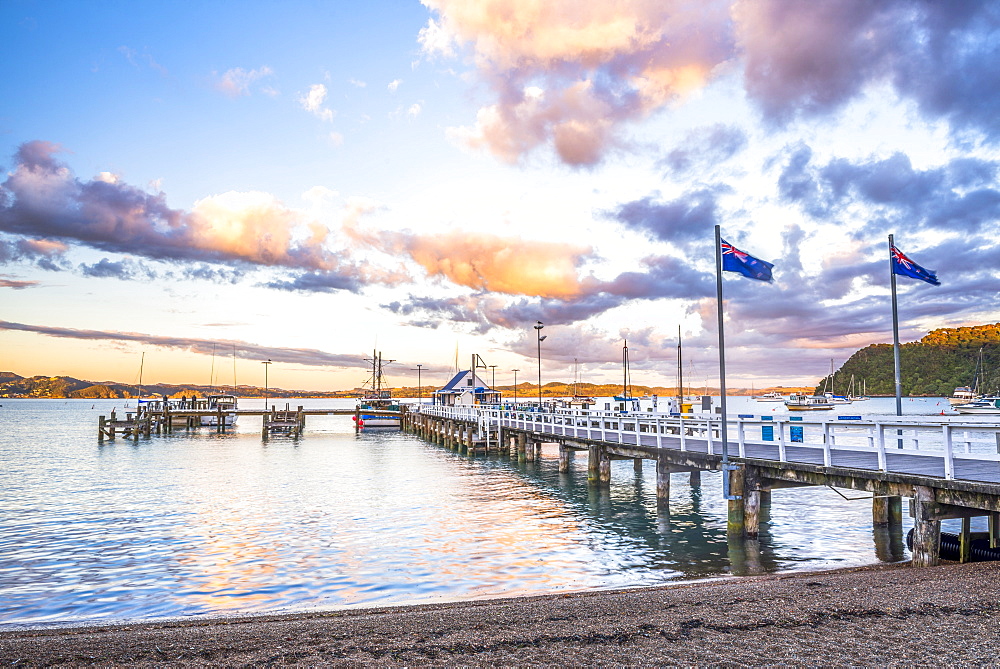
[905, 267]
[734, 260]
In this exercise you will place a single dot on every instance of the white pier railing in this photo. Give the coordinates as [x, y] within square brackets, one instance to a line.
[937, 446]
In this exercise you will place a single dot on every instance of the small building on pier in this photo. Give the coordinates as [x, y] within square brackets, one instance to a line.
[465, 389]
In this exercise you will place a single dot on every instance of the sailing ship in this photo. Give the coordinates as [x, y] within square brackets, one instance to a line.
[377, 396]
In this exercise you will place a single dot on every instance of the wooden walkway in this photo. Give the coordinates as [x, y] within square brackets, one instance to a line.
[949, 467]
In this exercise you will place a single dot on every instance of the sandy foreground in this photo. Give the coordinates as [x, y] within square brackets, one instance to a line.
[869, 616]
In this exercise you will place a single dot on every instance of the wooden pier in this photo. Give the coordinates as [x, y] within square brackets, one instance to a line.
[151, 418]
[947, 468]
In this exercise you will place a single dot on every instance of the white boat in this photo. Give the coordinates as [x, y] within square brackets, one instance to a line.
[376, 397]
[228, 405]
[772, 396]
[808, 403]
[963, 395]
[983, 405]
[836, 399]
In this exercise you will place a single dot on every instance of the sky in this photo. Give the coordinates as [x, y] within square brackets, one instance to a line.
[195, 188]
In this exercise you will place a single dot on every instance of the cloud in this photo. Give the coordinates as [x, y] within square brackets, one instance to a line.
[570, 72]
[312, 102]
[394, 85]
[706, 147]
[243, 350]
[123, 269]
[133, 57]
[571, 75]
[357, 83]
[45, 204]
[15, 284]
[686, 219]
[960, 195]
[236, 82]
[414, 110]
[486, 262]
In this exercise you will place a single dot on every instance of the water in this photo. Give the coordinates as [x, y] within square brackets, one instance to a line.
[199, 523]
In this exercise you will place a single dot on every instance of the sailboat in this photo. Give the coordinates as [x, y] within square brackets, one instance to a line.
[625, 401]
[579, 399]
[965, 394]
[829, 395]
[377, 395]
[862, 394]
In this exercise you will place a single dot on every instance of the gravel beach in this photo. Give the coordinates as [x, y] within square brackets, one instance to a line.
[868, 616]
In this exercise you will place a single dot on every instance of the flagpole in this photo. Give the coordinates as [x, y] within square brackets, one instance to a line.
[895, 334]
[722, 365]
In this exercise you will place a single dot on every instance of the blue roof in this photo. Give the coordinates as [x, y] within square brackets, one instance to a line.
[451, 384]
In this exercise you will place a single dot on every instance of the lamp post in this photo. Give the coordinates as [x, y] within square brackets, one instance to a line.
[515, 384]
[541, 338]
[266, 365]
[420, 393]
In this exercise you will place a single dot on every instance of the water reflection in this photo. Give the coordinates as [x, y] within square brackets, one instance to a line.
[198, 522]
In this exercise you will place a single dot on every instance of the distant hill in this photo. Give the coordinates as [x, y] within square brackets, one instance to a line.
[934, 366]
[13, 385]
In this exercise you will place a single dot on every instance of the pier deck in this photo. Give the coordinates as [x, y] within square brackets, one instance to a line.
[949, 467]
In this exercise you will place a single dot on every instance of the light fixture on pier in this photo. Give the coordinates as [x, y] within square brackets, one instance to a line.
[420, 394]
[538, 331]
[266, 365]
[515, 384]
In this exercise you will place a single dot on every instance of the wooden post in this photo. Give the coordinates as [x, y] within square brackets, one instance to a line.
[926, 533]
[565, 457]
[522, 447]
[605, 465]
[695, 479]
[470, 437]
[965, 541]
[751, 502]
[637, 465]
[529, 451]
[357, 417]
[895, 510]
[994, 525]
[100, 431]
[538, 451]
[736, 524]
[880, 510]
[593, 462]
[662, 480]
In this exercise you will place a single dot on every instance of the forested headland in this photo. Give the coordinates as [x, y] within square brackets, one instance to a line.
[933, 366]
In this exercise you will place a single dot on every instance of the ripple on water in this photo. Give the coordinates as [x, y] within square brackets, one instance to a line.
[198, 523]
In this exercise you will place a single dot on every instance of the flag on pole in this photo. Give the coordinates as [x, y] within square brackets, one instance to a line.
[905, 267]
[734, 260]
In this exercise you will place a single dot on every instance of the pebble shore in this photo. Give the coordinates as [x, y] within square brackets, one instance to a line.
[880, 615]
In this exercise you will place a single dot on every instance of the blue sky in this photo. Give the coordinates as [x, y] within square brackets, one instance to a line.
[308, 181]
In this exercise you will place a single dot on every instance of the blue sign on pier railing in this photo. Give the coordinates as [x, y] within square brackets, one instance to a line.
[848, 417]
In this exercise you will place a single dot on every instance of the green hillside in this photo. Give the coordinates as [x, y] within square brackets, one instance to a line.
[934, 366]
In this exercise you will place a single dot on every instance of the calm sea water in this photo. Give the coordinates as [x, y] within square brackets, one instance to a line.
[200, 523]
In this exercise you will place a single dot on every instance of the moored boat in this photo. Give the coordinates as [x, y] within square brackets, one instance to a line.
[225, 403]
[984, 405]
[808, 403]
[772, 396]
[963, 395]
[376, 398]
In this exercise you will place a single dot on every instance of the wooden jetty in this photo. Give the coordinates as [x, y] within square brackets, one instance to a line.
[158, 417]
[948, 468]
